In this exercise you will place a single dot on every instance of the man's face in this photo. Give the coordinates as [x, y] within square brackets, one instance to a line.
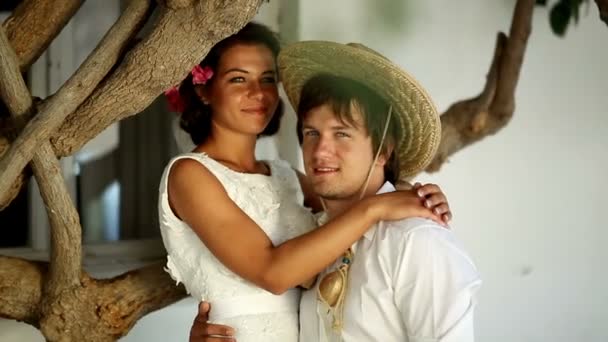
[337, 155]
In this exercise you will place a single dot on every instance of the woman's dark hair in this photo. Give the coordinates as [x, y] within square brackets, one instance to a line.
[340, 94]
[196, 118]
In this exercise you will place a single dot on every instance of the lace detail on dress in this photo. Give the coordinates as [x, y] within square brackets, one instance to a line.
[273, 202]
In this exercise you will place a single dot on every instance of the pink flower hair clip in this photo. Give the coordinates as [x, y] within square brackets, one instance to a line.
[201, 75]
[176, 104]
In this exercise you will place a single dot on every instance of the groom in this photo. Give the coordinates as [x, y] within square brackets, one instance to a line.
[364, 124]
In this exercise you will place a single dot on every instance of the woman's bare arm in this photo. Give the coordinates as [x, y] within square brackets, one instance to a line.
[242, 246]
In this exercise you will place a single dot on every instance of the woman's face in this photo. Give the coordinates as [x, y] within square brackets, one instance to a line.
[243, 91]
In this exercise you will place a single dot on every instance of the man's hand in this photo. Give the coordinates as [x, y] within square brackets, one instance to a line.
[202, 331]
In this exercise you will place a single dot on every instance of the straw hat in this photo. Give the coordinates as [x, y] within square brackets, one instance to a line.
[412, 106]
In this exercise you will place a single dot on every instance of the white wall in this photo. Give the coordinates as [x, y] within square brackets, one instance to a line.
[529, 202]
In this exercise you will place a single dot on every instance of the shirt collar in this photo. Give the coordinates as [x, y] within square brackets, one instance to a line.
[322, 217]
[385, 188]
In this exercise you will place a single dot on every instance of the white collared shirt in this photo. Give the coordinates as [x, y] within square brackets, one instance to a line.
[409, 281]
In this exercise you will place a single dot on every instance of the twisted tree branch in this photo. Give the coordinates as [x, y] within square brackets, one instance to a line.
[98, 310]
[468, 121]
[72, 93]
[160, 61]
[21, 283]
[63, 217]
[34, 24]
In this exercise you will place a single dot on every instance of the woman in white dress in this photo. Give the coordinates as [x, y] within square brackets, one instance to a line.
[235, 228]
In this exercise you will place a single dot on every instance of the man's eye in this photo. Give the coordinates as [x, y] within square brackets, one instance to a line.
[342, 135]
[311, 133]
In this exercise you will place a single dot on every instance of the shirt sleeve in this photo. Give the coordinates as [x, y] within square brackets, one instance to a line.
[435, 284]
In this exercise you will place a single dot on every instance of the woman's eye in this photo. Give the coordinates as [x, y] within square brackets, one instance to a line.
[269, 80]
[238, 79]
[342, 135]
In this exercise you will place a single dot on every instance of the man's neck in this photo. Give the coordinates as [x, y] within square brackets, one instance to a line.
[334, 207]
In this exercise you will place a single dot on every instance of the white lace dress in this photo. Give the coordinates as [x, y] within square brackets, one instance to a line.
[275, 203]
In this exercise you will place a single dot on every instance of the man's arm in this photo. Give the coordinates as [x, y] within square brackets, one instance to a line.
[203, 331]
[435, 286]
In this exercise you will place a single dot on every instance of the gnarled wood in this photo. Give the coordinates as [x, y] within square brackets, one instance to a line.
[177, 4]
[54, 110]
[63, 217]
[98, 310]
[65, 303]
[21, 283]
[34, 24]
[469, 121]
[179, 40]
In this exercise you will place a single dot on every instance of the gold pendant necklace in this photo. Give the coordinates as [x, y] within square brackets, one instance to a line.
[332, 289]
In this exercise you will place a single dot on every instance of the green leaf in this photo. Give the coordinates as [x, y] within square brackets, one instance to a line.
[560, 17]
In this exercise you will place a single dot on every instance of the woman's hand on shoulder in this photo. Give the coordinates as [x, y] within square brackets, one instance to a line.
[399, 205]
[434, 199]
[427, 201]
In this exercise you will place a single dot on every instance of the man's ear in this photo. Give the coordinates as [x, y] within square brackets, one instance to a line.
[386, 155]
[201, 92]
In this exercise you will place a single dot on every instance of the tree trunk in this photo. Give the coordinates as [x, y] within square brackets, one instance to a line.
[97, 310]
[159, 61]
[34, 24]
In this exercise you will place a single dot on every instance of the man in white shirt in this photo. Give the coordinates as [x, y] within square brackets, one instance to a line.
[364, 124]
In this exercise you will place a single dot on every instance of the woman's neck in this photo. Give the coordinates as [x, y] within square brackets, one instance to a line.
[237, 150]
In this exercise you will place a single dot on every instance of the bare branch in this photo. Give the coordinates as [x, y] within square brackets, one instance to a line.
[177, 4]
[13, 90]
[9, 128]
[512, 60]
[34, 24]
[105, 309]
[21, 283]
[469, 121]
[72, 93]
[135, 294]
[160, 61]
[157, 63]
[65, 227]
[66, 233]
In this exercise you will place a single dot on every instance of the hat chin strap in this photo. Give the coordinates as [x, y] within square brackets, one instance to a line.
[371, 168]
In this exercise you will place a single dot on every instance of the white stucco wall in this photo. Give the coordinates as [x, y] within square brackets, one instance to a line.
[529, 202]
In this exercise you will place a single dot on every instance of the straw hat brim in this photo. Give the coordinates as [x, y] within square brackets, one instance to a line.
[412, 106]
